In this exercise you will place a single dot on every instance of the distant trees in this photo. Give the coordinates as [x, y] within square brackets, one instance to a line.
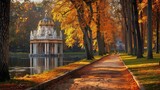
[24, 18]
[4, 39]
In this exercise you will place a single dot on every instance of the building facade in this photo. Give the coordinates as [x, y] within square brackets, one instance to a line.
[45, 41]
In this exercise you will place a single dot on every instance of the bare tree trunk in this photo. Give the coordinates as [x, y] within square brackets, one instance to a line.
[142, 29]
[125, 24]
[4, 39]
[157, 32]
[134, 31]
[89, 54]
[149, 38]
[128, 6]
[100, 40]
[139, 43]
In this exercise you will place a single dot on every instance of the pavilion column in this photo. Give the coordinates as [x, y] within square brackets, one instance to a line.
[48, 48]
[56, 48]
[45, 63]
[45, 48]
[34, 48]
[31, 48]
[35, 63]
[31, 65]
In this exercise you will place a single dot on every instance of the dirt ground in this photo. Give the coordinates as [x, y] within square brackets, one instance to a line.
[108, 73]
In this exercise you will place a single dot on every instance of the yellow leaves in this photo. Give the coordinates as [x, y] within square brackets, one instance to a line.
[65, 12]
[142, 5]
[144, 19]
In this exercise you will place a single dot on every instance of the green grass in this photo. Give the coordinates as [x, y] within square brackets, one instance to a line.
[146, 71]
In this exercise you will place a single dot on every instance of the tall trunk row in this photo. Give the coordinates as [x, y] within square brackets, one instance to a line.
[130, 18]
[130, 14]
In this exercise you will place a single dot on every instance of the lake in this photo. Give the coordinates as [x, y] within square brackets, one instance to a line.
[25, 65]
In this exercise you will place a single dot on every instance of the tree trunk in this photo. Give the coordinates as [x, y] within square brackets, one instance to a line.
[89, 55]
[104, 45]
[139, 43]
[128, 5]
[87, 32]
[4, 39]
[157, 32]
[149, 38]
[125, 24]
[141, 29]
[134, 31]
[100, 41]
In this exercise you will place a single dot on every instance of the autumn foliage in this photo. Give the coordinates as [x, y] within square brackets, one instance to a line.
[66, 12]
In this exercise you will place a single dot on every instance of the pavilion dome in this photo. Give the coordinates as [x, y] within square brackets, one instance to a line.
[46, 21]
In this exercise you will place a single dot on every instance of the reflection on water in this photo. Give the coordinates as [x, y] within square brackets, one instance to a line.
[38, 65]
[21, 67]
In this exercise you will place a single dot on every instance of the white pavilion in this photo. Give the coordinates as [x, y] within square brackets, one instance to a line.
[45, 41]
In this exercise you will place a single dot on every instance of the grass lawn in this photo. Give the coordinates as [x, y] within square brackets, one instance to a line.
[146, 71]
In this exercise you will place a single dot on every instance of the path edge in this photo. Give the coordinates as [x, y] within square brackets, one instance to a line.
[43, 85]
[141, 87]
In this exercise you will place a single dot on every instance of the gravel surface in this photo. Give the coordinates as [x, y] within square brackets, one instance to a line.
[108, 73]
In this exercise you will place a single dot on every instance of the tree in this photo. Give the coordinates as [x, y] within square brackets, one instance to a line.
[127, 14]
[85, 25]
[149, 38]
[101, 7]
[139, 43]
[75, 17]
[4, 39]
[157, 31]
[157, 13]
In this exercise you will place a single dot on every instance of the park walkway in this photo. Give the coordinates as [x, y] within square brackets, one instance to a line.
[108, 73]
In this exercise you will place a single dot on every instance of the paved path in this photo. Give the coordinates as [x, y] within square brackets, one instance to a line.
[108, 73]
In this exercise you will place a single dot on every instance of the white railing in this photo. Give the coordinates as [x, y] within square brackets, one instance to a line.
[45, 37]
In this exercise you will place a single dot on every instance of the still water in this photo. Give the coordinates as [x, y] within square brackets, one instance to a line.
[27, 65]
